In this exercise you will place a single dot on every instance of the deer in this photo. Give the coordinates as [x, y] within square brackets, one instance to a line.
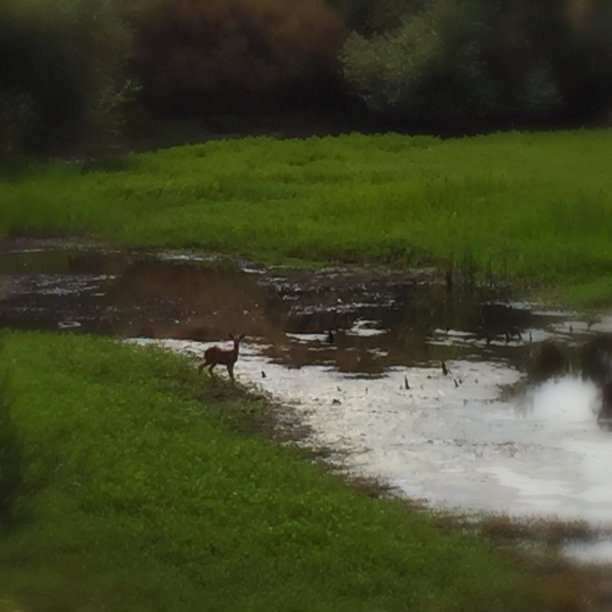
[216, 355]
[597, 366]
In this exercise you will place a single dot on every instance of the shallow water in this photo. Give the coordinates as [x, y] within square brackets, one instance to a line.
[463, 447]
[358, 355]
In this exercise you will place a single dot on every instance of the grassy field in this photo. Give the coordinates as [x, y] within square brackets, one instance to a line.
[142, 486]
[531, 207]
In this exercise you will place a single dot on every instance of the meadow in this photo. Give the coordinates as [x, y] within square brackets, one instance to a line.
[144, 486]
[529, 209]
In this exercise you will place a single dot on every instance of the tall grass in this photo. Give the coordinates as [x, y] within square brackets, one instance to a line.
[139, 493]
[530, 206]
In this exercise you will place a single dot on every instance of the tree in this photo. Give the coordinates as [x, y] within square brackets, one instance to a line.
[233, 55]
[586, 74]
[61, 72]
[429, 67]
[486, 59]
[367, 18]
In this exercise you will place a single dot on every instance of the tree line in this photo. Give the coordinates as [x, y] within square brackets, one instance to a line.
[79, 69]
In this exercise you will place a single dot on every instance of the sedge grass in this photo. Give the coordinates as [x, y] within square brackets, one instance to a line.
[139, 493]
[535, 207]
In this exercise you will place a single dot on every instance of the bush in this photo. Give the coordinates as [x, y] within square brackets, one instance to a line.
[430, 67]
[586, 73]
[466, 59]
[62, 74]
[228, 55]
[367, 17]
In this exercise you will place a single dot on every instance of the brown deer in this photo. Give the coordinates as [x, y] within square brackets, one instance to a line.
[216, 355]
[597, 366]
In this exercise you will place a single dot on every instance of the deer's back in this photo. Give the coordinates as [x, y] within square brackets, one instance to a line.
[214, 354]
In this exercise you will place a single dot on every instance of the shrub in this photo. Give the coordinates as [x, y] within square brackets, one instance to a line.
[61, 78]
[367, 17]
[430, 66]
[459, 59]
[226, 55]
[585, 73]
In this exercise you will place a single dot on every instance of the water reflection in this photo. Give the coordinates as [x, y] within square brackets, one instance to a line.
[355, 321]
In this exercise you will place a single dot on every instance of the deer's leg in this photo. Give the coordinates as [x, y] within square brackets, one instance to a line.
[605, 413]
[230, 369]
[210, 368]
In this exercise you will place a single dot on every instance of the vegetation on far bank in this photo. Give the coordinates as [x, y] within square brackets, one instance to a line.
[84, 71]
[144, 486]
[534, 208]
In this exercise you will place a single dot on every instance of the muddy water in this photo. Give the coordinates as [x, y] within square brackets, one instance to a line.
[359, 356]
[354, 321]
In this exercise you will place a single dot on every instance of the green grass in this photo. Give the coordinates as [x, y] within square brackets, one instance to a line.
[145, 487]
[535, 207]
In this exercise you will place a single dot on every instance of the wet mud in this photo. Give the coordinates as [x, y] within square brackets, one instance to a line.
[465, 400]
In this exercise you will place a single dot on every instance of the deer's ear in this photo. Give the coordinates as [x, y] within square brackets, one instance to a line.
[231, 336]
[242, 336]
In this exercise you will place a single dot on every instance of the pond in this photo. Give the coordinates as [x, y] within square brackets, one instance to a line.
[396, 375]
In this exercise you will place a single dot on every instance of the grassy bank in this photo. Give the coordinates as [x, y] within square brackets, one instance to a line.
[144, 487]
[529, 206]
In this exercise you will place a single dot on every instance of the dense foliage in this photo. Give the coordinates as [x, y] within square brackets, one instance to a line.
[67, 68]
[506, 59]
[233, 55]
[61, 72]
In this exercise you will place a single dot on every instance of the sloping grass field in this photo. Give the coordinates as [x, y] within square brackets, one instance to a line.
[534, 208]
[143, 486]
